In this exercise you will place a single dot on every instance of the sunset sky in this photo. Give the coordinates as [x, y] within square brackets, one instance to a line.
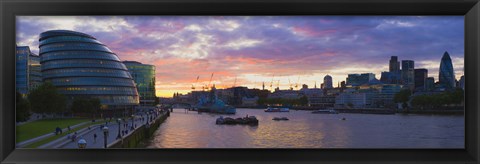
[255, 49]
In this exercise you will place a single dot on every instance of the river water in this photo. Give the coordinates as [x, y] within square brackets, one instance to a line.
[306, 130]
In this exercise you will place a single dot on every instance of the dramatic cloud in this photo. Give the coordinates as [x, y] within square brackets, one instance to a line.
[251, 50]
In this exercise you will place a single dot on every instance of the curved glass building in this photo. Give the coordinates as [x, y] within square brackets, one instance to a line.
[81, 66]
[446, 75]
[144, 77]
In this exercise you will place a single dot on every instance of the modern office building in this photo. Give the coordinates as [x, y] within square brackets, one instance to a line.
[391, 78]
[394, 65]
[429, 84]
[35, 71]
[144, 77]
[462, 82]
[408, 73]
[81, 66]
[420, 77]
[359, 79]
[446, 75]
[327, 82]
[22, 69]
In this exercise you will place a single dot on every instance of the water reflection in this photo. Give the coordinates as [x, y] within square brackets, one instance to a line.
[306, 130]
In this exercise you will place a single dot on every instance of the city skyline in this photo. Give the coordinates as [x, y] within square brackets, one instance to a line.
[246, 51]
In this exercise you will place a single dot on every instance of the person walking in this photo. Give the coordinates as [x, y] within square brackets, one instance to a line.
[94, 137]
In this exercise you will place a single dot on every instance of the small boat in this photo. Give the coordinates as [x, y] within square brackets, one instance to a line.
[280, 118]
[220, 120]
[270, 109]
[325, 111]
[251, 120]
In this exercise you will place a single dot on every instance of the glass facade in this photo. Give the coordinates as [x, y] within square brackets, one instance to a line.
[22, 69]
[408, 73]
[35, 72]
[446, 75]
[81, 66]
[420, 77]
[144, 77]
[359, 79]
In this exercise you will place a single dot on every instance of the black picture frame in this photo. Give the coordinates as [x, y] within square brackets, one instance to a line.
[11, 8]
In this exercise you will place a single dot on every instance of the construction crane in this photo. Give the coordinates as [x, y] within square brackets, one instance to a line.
[296, 84]
[271, 83]
[193, 87]
[209, 81]
[289, 83]
[235, 82]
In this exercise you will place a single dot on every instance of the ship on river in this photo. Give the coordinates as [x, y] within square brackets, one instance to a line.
[213, 104]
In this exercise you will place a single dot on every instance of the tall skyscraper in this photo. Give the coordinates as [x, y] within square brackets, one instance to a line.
[22, 69]
[394, 65]
[446, 76]
[408, 73]
[78, 65]
[144, 77]
[327, 82]
[420, 77]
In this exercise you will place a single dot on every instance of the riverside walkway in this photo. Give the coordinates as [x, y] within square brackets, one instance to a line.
[88, 134]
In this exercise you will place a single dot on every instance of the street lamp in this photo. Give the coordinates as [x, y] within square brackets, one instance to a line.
[105, 134]
[119, 136]
[132, 128]
[82, 144]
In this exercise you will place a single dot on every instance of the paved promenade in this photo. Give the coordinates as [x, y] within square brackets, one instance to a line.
[88, 135]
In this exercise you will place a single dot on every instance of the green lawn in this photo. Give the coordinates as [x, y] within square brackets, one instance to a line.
[50, 139]
[41, 127]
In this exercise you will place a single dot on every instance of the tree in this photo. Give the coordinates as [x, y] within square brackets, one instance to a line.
[85, 105]
[46, 99]
[23, 108]
[402, 97]
[303, 100]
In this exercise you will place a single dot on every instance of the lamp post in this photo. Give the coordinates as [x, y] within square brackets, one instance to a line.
[133, 116]
[105, 134]
[82, 144]
[119, 136]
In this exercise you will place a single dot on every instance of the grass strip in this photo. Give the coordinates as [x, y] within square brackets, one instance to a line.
[50, 139]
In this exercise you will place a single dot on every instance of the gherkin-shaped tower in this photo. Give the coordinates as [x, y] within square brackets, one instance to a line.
[81, 66]
[446, 75]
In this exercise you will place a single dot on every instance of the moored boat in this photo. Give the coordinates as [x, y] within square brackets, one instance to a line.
[251, 120]
[271, 109]
[325, 111]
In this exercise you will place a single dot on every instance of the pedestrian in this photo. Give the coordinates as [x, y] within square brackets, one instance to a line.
[73, 137]
[94, 137]
[69, 128]
[88, 127]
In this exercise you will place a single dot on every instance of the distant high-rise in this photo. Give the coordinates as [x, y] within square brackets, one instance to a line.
[359, 79]
[35, 71]
[327, 82]
[394, 65]
[429, 83]
[22, 69]
[408, 73]
[462, 82]
[420, 77]
[446, 76]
